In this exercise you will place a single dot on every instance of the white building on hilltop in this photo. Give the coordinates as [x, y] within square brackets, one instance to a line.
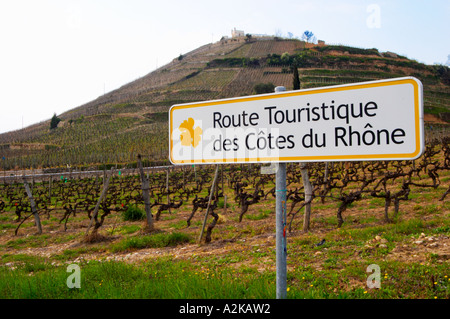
[237, 33]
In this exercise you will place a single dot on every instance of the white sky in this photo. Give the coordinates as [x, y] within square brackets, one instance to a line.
[58, 54]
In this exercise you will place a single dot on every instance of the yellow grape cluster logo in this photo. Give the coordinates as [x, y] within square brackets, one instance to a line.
[190, 136]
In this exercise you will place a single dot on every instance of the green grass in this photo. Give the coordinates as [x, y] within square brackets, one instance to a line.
[126, 229]
[181, 224]
[7, 226]
[442, 230]
[394, 231]
[21, 258]
[153, 241]
[29, 241]
[263, 214]
[133, 213]
[162, 278]
[71, 254]
[432, 209]
[170, 279]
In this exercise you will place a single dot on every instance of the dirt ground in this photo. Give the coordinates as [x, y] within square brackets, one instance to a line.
[432, 119]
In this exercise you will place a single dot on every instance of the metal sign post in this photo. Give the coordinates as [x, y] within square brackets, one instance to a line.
[280, 213]
[281, 245]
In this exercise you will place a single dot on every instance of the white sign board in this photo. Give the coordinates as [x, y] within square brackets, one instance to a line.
[377, 120]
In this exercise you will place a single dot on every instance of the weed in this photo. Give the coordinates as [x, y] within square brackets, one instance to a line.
[133, 213]
[262, 215]
[153, 241]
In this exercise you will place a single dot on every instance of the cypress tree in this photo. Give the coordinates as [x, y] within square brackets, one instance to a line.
[296, 80]
[54, 122]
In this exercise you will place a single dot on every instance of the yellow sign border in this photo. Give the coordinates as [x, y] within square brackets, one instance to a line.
[418, 123]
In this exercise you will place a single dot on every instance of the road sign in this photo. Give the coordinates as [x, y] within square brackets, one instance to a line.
[377, 120]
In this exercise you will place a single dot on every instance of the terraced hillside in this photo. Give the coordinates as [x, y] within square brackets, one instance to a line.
[117, 126]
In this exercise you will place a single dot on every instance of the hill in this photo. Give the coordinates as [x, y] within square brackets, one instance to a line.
[115, 127]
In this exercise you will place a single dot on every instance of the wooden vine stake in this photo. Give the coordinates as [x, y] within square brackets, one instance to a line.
[33, 206]
[145, 194]
[167, 189]
[100, 199]
[209, 202]
[308, 196]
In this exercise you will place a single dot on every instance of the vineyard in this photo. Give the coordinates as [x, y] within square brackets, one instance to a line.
[342, 182]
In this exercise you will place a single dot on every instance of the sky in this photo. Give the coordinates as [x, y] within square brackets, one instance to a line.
[56, 55]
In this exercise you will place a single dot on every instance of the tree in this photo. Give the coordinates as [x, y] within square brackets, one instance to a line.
[54, 122]
[308, 36]
[285, 57]
[248, 37]
[296, 78]
[443, 72]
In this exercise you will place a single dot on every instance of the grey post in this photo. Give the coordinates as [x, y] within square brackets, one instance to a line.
[281, 250]
[33, 205]
[211, 192]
